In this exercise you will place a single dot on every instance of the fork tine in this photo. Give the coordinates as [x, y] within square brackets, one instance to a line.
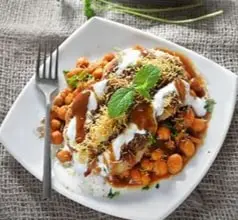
[50, 65]
[56, 63]
[44, 65]
[38, 63]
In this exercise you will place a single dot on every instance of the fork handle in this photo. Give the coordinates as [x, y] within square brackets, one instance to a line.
[47, 155]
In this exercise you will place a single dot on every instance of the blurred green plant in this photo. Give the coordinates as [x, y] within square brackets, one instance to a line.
[90, 6]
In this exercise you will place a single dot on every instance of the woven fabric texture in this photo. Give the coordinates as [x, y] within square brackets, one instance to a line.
[23, 23]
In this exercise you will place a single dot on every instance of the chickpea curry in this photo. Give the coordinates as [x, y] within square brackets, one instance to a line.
[133, 117]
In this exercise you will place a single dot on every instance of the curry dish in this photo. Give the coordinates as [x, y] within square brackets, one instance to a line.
[130, 119]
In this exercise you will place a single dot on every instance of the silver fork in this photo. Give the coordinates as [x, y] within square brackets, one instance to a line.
[47, 83]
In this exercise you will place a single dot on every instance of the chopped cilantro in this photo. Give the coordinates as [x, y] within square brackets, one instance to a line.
[209, 106]
[111, 194]
[171, 127]
[146, 188]
[174, 133]
[74, 80]
[152, 139]
[65, 71]
[157, 186]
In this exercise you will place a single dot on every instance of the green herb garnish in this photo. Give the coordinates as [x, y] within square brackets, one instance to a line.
[88, 10]
[146, 188]
[74, 80]
[65, 71]
[111, 194]
[174, 133]
[90, 6]
[120, 102]
[146, 78]
[157, 186]
[210, 105]
[152, 139]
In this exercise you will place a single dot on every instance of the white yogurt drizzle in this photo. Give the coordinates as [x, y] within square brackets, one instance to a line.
[124, 138]
[92, 102]
[100, 88]
[70, 132]
[104, 170]
[158, 101]
[128, 57]
[198, 104]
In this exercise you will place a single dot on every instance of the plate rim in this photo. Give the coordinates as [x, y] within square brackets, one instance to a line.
[146, 34]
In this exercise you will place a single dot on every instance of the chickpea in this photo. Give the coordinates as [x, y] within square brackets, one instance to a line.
[146, 165]
[53, 114]
[170, 145]
[143, 51]
[138, 47]
[97, 73]
[65, 92]
[187, 147]
[157, 154]
[197, 86]
[109, 57]
[64, 156]
[145, 178]
[82, 62]
[125, 174]
[61, 112]
[199, 125]
[175, 163]
[164, 133]
[136, 176]
[58, 101]
[57, 137]
[103, 63]
[55, 124]
[195, 140]
[189, 118]
[74, 72]
[160, 168]
[92, 67]
[68, 99]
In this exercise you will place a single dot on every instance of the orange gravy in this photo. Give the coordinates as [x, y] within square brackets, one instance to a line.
[142, 115]
[79, 109]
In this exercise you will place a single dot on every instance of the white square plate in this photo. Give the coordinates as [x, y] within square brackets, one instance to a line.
[95, 38]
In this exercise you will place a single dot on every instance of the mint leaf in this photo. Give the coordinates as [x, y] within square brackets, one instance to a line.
[120, 102]
[146, 78]
[210, 105]
[143, 91]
